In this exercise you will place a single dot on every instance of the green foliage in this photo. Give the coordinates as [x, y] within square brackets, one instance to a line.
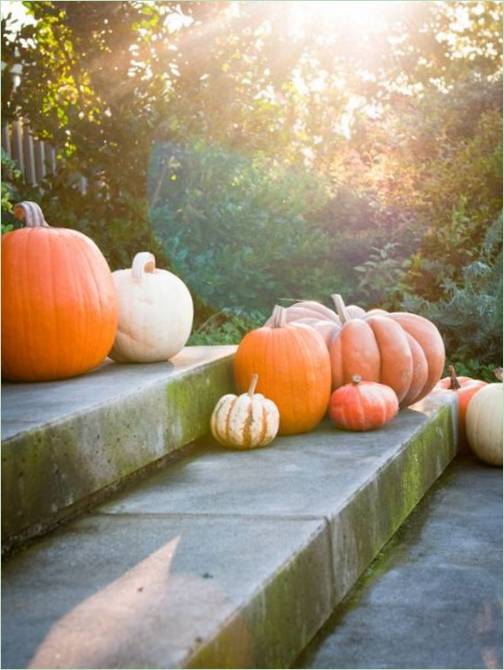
[11, 176]
[237, 229]
[470, 317]
[212, 134]
[227, 327]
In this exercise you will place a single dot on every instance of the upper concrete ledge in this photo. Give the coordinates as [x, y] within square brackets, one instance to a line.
[65, 441]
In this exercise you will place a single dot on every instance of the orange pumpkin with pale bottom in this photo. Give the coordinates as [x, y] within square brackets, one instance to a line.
[362, 405]
[294, 371]
[401, 350]
[59, 306]
[464, 388]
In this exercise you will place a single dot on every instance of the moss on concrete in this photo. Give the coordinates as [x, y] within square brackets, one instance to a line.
[53, 471]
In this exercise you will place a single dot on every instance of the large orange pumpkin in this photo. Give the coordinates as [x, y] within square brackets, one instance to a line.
[401, 350]
[294, 371]
[59, 306]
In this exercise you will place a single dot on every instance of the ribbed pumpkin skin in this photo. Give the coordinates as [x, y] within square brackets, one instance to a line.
[362, 406]
[403, 351]
[244, 422]
[294, 372]
[484, 420]
[59, 307]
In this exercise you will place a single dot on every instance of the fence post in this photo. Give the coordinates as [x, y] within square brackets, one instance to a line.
[6, 143]
[29, 157]
[17, 143]
[40, 167]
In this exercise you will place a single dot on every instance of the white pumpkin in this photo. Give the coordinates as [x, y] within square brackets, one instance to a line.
[246, 421]
[155, 312]
[484, 419]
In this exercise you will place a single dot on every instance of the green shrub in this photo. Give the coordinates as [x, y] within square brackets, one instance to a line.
[237, 230]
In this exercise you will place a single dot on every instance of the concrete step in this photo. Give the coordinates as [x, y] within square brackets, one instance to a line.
[67, 444]
[224, 559]
[446, 560]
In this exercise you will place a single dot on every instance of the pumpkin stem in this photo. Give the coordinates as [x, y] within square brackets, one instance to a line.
[31, 214]
[253, 384]
[144, 261]
[279, 317]
[454, 382]
[341, 308]
[498, 373]
[356, 379]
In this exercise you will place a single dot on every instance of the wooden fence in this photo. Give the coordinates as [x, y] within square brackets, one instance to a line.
[35, 158]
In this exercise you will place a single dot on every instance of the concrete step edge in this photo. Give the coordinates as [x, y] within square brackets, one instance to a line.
[58, 467]
[200, 623]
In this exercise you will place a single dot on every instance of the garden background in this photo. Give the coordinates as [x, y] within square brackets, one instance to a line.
[274, 151]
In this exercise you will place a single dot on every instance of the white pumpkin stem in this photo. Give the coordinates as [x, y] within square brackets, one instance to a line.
[279, 317]
[253, 384]
[454, 382]
[31, 214]
[356, 379]
[498, 373]
[143, 262]
[339, 303]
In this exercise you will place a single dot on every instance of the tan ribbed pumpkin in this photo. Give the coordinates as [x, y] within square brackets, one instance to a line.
[246, 421]
[319, 317]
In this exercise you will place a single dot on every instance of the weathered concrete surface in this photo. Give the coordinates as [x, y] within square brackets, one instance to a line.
[283, 533]
[433, 599]
[62, 442]
[148, 591]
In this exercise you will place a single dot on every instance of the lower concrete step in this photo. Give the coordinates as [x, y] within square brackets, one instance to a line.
[224, 559]
[65, 443]
[433, 596]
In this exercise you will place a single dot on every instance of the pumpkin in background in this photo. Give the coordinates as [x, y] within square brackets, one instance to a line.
[362, 405]
[324, 320]
[59, 306]
[246, 421]
[155, 312]
[401, 350]
[484, 419]
[294, 371]
[464, 388]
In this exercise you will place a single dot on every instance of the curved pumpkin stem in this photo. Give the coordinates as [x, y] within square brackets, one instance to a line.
[498, 373]
[279, 317]
[454, 382]
[339, 303]
[356, 379]
[253, 384]
[143, 262]
[31, 214]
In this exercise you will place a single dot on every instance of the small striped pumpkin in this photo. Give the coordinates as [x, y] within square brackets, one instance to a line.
[362, 405]
[246, 421]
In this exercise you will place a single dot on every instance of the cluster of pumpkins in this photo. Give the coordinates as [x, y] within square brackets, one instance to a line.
[64, 312]
[359, 367]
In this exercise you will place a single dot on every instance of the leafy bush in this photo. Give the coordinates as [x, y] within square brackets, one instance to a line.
[227, 327]
[470, 317]
[236, 229]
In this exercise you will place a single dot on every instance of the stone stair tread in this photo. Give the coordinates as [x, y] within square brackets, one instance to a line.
[68, 444]
[34, 406]
[225, 559]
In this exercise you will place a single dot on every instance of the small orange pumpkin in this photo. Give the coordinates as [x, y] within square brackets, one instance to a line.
[294, 371]
[464, 388]
[401, 350]
[362, 405]
[59, 306]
